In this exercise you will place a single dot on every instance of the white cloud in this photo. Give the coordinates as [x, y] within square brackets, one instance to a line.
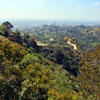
[95, 3]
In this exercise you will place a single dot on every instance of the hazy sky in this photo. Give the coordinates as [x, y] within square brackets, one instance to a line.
[51, 9]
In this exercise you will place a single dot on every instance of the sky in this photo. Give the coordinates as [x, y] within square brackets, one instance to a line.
[50, 9]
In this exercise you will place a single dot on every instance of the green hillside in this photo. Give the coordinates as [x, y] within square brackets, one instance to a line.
[32, 72]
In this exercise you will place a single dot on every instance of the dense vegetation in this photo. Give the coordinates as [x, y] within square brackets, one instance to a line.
[86, 37]
[53, 72]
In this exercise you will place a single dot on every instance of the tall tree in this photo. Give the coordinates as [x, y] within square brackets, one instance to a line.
[18, 37]
[6, 28]
[8, 25]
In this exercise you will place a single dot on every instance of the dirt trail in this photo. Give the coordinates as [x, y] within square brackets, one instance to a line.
[74, 45]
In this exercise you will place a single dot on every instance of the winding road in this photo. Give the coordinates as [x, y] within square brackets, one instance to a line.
[74, 45]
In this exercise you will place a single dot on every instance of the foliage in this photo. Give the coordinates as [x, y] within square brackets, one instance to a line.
[29, 72]
[15, 36]
[12, 51]
[64, 56]
[89, 78]
[30, 76]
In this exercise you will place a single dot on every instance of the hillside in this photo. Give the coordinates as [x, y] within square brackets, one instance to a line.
[85, 37]
[32, 72]
[23, 73]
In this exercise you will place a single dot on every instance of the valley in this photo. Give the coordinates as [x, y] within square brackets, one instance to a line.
[49, 62]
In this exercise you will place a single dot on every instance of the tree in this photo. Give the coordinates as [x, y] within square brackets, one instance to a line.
[12, 51]
[89, 78]
[10, 77]
[18, 37]
[6, 28]
[8, 25]
[26, 37]
[32, 43]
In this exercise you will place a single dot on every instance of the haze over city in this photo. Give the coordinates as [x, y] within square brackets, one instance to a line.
[50, 9]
